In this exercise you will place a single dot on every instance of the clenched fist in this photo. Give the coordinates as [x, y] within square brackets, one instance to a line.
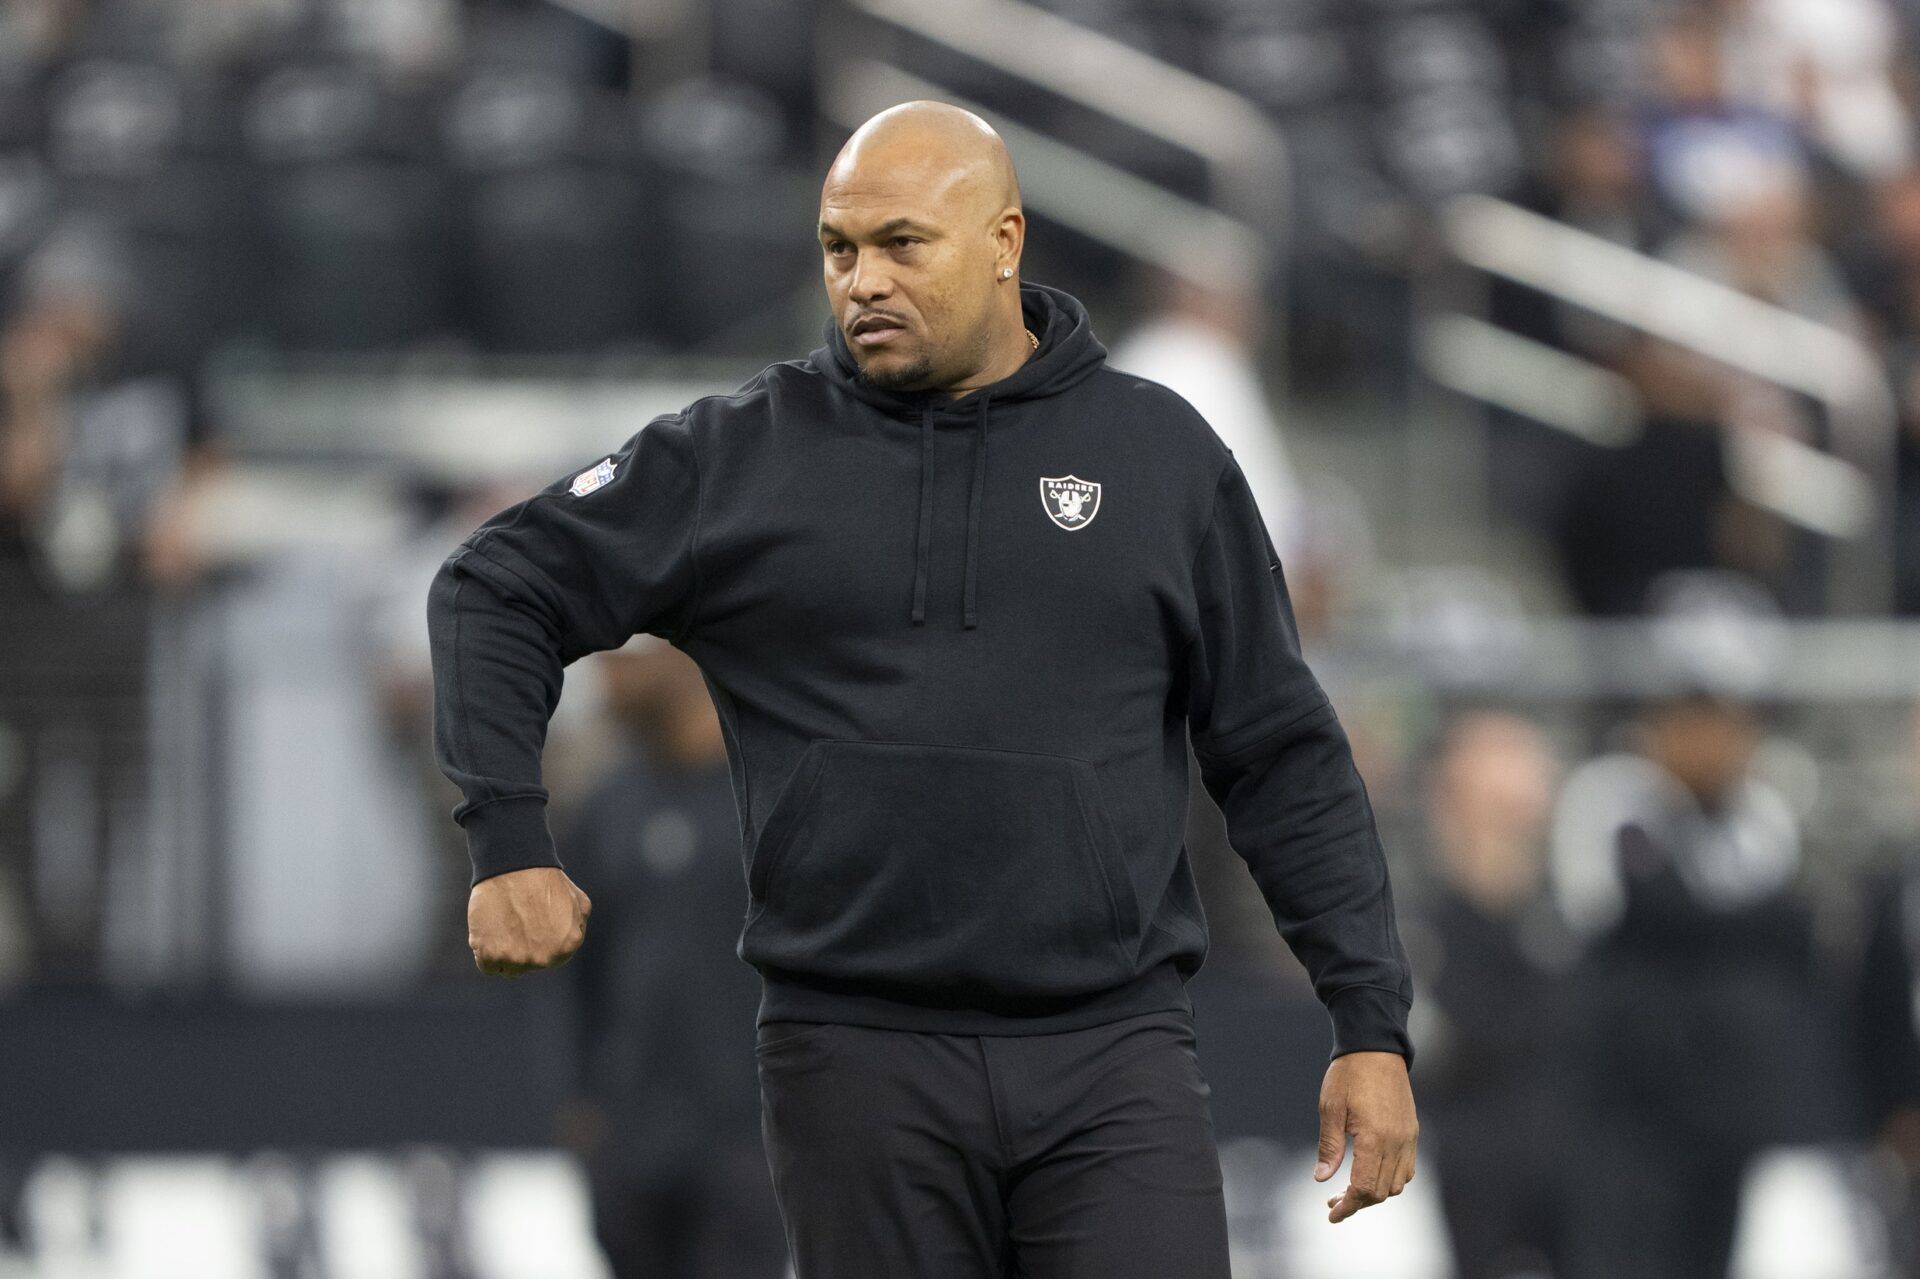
[526, 919]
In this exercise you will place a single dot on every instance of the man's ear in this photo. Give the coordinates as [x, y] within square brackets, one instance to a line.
[1010, 237]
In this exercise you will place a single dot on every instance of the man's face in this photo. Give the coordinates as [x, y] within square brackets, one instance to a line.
[909, 271]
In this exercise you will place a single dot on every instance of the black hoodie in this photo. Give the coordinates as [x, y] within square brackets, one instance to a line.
[956, 647]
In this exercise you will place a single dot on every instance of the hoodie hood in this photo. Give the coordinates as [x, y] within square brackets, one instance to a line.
[1068, 354]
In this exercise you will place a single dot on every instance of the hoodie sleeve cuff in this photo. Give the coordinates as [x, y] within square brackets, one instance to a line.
[1369, 1019]
[509, 834]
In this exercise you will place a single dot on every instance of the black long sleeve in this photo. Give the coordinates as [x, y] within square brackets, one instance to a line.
[533, 589]
[1274, 757]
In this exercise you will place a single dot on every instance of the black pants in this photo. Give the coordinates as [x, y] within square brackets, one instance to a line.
[1082, 1155]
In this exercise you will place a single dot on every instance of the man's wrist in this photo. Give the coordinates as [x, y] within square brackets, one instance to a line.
[507, 835]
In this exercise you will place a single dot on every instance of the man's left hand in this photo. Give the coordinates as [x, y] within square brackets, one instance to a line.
[1366, 1095]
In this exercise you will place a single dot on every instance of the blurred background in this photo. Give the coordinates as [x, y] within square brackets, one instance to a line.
[1572, 347]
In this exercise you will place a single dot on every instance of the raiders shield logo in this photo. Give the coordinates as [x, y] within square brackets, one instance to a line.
[1071, 502]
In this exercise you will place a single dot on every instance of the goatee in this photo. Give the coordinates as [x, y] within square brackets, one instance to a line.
[908, 378]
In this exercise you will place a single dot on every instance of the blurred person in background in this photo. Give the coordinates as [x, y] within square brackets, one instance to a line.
[1702, 1038]
[1886, 1010]
[1701, 146]
[1830, 65]
[1203, 341]
[1494, 1037]
[91, 430]
[1758, 235]
[1594, 179]
[667, 1117]
[1662, 502]
[1748, 184]
[91, 436]
[1885, 261]
[1887, 1004]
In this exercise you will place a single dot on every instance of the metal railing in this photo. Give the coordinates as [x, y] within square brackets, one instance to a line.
[1846, 495]
[1245, 152]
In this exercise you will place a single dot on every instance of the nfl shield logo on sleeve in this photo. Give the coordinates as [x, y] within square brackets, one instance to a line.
[587, 481]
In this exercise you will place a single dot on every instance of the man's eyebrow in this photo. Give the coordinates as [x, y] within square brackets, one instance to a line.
[892, 226]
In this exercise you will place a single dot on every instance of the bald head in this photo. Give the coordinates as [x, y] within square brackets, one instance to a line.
[921, 228]
[946, 147]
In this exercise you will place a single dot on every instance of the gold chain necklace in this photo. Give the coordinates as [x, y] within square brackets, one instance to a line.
[1032, 341]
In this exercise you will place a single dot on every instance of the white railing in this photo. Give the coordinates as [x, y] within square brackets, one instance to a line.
[1246, 152]
[1846, 495]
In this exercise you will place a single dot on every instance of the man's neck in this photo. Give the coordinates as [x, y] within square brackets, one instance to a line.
[1010, 350]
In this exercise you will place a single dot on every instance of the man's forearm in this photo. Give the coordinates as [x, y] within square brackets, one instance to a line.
[1298, 813]
[497, 674]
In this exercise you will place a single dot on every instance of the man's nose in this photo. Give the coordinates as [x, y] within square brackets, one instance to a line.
[870, 279]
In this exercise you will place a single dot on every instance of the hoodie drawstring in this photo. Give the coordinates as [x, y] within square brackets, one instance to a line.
[925, 536]
[969, 615]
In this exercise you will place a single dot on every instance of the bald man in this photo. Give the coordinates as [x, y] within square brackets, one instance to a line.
[961, 594]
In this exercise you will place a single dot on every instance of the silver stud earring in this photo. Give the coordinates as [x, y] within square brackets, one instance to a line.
[1006, 273]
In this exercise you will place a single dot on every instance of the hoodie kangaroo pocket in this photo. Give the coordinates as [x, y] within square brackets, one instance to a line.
[952, 872]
